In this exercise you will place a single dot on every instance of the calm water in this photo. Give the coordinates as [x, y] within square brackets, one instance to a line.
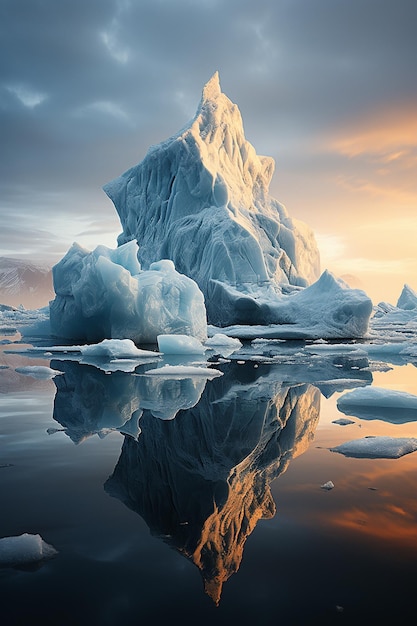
[214, 516]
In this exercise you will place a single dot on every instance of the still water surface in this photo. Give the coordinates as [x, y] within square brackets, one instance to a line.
[214, 516]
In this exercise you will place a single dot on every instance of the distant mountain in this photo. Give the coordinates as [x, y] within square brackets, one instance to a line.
[25, 283]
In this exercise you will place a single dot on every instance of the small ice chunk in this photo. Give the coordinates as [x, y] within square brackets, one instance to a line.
[115, 348]
[379, 403]
[327, 486]
[378, 396]
[184, 371]
[343, 421]
[179, 344]
[24, 549]
[377, 447]
[37, 371]
[220, 339]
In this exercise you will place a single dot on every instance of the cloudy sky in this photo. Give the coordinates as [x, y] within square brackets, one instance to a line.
[326, 87]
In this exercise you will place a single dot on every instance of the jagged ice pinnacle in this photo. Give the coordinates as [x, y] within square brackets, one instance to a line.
[201, 198]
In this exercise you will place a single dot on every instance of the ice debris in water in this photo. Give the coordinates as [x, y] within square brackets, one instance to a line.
[328, 486]
[179, 344]
[343, 421]
[377, 447]
[377, 397]
[184, 371]
[222, 340]
[24, 549]
[37, 371]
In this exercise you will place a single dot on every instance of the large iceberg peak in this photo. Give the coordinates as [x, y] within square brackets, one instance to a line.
[218, 131]
[212, 88]
[201, 198]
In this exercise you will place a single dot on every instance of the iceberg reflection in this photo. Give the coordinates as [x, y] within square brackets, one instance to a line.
[90, 401]
[200, 481]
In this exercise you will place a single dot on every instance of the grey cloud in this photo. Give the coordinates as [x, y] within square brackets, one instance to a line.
[116, 76]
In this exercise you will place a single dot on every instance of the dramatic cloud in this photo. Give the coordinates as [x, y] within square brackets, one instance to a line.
[329, 89]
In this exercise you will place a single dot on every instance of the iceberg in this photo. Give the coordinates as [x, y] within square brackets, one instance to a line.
[407, 299]
[201, 198]
[105, 294]
[396, 323]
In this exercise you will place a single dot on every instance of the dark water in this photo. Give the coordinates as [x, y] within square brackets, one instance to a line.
[210, 510]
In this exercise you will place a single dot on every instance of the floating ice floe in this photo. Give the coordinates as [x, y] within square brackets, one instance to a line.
[184, 371]
[223, 341]
[179, 344]
[377, 447]
[115, 349]
[37, 371]
[343, 421]
[24, 549]
[328, 486]
[108, 348]
[379, 403]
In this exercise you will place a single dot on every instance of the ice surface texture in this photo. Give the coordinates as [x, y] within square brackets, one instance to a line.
[201, 198]
[388, 405]
[378, 447]
[105, 294]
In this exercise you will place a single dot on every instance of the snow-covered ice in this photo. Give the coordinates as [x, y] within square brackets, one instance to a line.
[201, 198]
[220, 340]
[24, 549]
[105, 294]
[377, 447]
[179, 344]
[115, 349]
[379, 403]
[107, 348]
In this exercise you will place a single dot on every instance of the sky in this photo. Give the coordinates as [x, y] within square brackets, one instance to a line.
[328, 88]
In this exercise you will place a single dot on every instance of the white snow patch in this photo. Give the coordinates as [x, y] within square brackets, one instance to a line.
[179, 344]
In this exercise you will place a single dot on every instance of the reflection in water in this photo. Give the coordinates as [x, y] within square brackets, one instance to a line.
[201, 480]
[90, 401]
